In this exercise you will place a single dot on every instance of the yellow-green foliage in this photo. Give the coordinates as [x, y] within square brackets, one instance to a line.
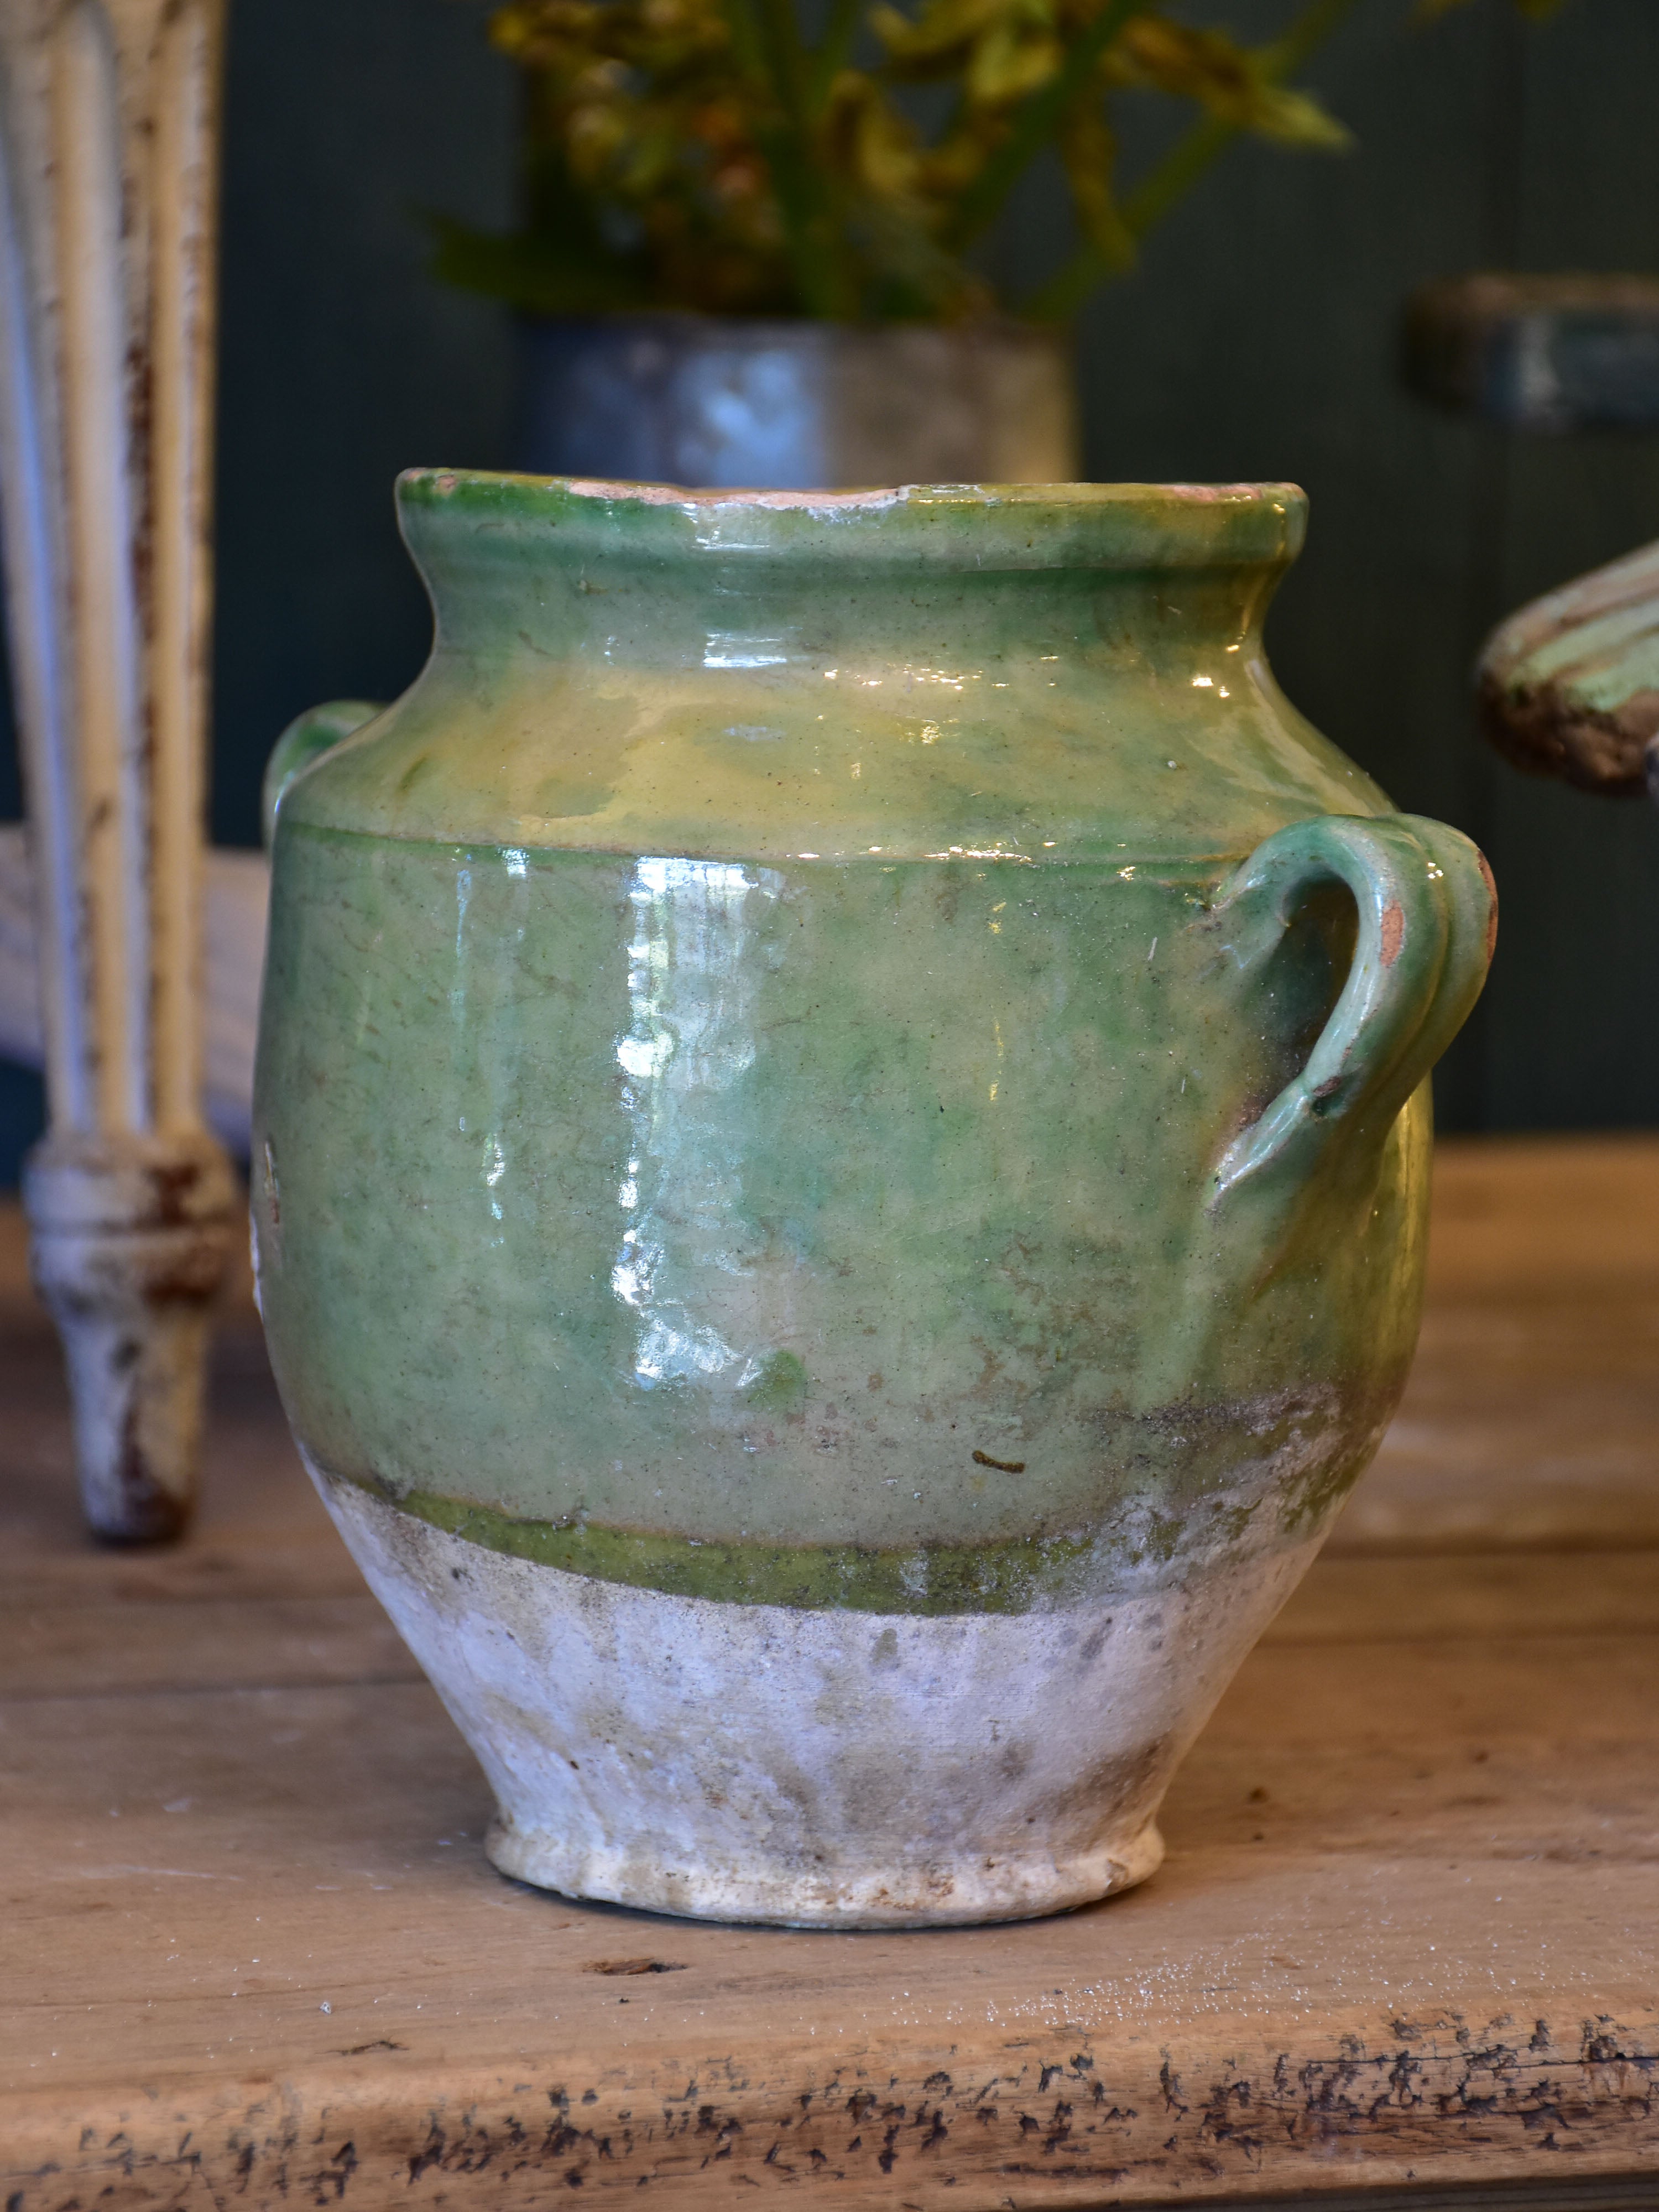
[705, 154]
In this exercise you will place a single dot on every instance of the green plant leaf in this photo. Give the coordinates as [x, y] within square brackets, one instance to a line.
[1087, 152]
[537, 276]
[708, 154]
[1235, 85]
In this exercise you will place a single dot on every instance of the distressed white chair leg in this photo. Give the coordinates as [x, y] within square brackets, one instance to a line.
[108, 127]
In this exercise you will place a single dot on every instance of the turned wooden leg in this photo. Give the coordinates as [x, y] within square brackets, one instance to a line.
[108, 127]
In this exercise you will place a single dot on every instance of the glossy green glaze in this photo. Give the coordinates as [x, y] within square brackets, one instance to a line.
[782, 1079]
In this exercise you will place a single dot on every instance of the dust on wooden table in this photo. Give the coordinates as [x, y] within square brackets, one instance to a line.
[1407, 1935]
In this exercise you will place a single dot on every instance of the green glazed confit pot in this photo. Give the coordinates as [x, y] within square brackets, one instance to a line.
[841, 1151]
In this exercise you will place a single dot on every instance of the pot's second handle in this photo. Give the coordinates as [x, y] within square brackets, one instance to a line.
[317, 731]
[1428, 920]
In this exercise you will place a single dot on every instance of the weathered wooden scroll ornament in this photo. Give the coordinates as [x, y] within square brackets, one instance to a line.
[108, 116]
[1569, 685]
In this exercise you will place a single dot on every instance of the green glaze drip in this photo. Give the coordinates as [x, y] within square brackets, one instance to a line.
[929, 1580]
[1300, 1470]
[941, 1578]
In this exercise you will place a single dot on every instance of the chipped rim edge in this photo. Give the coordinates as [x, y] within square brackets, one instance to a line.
[446, 513]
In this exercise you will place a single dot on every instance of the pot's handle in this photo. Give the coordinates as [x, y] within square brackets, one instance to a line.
[1428, 920]
[317, 731]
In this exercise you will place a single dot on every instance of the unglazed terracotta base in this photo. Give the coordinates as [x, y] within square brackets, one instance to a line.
[817, 1768]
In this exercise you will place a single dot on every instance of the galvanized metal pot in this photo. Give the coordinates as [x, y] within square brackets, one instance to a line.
[722, 401]
[840, 1167]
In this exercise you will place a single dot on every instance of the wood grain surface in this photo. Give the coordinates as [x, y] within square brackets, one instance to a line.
[1404, 1953]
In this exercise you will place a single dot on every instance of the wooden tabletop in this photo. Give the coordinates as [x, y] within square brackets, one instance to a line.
[1404, 1947]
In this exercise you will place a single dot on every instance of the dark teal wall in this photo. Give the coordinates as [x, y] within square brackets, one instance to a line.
[341, 360]
[1257, 340]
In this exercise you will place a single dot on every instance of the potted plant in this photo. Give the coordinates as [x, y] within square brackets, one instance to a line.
[751, 253]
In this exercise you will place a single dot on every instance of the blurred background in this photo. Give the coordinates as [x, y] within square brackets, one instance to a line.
[1258, 339]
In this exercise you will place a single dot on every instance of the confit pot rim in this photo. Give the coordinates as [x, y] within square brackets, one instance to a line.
[1105, 527]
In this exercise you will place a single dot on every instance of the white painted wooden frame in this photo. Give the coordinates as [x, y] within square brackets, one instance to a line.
[108, 134]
